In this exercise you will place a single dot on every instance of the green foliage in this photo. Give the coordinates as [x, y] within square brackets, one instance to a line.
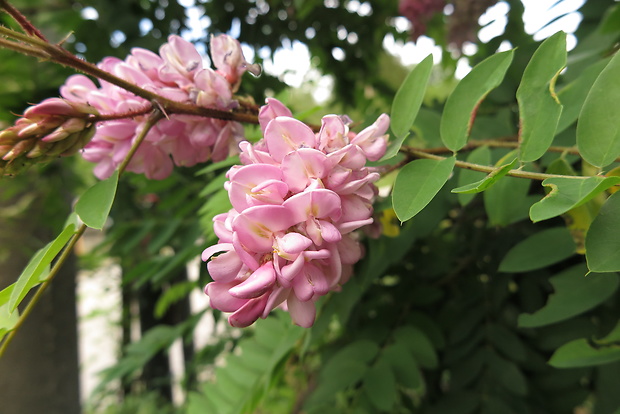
[39, 266]
[568, 193]
[481, 155]
[602, 242]
[417, 183]
[574, 293]
[461, 107]
[585, 352]
[487, 181]
[539, 108]
[246, 377]
[95, 204]
[538, 251]
[471, 307]
[408, 100]
[598, 136]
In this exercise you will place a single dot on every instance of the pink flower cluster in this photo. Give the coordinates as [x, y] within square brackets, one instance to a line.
[289, 237]
[177, 73]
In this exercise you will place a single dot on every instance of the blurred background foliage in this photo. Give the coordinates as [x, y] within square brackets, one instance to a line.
[428, 324]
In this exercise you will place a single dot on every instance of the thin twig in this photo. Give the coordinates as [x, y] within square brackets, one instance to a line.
[21, 20]
[486, 168]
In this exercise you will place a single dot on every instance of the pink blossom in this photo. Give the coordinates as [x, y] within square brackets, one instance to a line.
[297, 201]
[176, 73]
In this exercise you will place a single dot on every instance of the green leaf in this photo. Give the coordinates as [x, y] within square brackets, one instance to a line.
[408, 98]
[581, 353]
[507, 374]
[417, 183]
[337, 374]
[487, 181]
[404, 365]
[38, 267]
[394, 147]
[539, 107]
[507, 201]
[418, 344]
[482, 156]
[603, 237]
[94, 205]
[574, 293]
[574, 94]
[460, 402]
[380, 385]
[540, 250]
[598, 130]
[506, 341]
[363, 350]
[567, 193]
[8, 318]
[461, 106]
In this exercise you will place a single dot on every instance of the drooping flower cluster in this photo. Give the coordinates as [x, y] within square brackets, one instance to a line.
[52, 128]
[176, 73]
[296, 202]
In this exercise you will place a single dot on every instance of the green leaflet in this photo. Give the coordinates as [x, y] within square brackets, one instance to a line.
[417, 183]
[94, 205]
[574, 94]
[574, 293]
[460, 110]
[584, 353]
[8, 318]
[603, 237]
[405, 367]
[380, 385]
[507, 201]
[598, 130]
[394, 147]
[540, 250]
[482, 156]
[36, 270]
[539, 107]
[419, 345]
[241, 382]
[568, 193]
[408, 98]
[487, 181]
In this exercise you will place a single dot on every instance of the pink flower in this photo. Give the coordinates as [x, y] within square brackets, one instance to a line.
[176, 73]
[229, 61]
[297, 200]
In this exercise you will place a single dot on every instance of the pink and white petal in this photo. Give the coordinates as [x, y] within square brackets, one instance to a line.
[225, 267]
[284, 134]
[317, 279]
[272, 109]
[276, 297]
[221, 299]
[302, 287]
[293, 243]
[302, 313]
[248, 313]
[319, 203]
[303, 165]
[333, 134]
[259, 282]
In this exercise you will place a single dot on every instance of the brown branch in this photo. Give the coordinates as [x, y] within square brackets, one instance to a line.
[21, 20]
